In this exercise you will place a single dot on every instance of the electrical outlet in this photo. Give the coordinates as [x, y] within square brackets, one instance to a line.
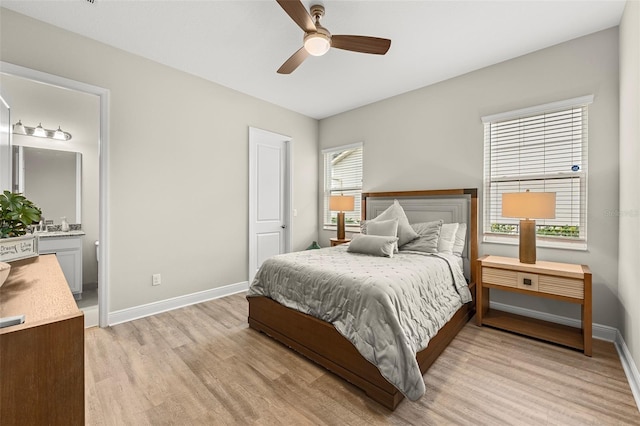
[156, 279]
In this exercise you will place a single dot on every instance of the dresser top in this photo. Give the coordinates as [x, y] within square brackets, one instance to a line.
[37, 288]
[568, 270]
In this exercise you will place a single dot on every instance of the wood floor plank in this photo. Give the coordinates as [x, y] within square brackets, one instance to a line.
[202, 365]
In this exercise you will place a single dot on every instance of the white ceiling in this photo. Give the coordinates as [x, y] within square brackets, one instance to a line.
[241, 44]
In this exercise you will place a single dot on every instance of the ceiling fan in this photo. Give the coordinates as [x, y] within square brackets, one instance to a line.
[317, 39]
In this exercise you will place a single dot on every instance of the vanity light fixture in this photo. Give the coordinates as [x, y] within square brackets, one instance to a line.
[18, 128]
[41, 132]
[59, 135]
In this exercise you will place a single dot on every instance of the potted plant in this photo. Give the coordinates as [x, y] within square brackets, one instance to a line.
[16, 214]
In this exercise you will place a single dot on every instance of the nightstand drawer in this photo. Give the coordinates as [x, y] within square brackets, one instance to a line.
[568, 287]
[503, 277]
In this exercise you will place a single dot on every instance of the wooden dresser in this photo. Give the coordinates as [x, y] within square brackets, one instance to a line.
[41, 360]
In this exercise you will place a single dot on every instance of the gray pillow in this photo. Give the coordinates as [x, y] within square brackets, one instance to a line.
[447, 237]
[405, 231]
[375, 245]
[385, 228]
[427, 242]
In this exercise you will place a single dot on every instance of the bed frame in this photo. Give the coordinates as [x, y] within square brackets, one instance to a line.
[320, 341]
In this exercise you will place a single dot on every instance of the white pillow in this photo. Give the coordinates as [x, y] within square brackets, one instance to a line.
[375, 245]
[461, 237]
[384, 228]
[427, 242]
[405, 231]
[447, 238]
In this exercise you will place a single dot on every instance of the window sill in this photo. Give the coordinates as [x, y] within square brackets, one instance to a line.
[540, 242]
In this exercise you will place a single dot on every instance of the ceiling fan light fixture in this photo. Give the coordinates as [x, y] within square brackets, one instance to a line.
[317, 40]
[317, 44]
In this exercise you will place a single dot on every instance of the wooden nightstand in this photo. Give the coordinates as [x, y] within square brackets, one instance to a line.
[337, 242]
[560, 281]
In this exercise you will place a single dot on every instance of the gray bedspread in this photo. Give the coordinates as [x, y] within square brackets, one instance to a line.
[389, 308]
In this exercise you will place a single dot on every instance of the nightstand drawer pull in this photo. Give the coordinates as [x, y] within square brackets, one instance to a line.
[501, 277]
[528, 281]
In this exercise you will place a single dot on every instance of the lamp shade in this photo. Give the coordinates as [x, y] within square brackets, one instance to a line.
[341, 203]
[530, 205]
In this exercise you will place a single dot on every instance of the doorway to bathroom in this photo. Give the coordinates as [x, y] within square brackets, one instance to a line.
[41, 165]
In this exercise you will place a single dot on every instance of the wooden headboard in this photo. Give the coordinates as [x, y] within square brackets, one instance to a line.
[450, 205]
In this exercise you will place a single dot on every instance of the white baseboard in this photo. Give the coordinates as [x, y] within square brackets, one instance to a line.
[90, 316]
[153, 308]
[629, 367]
[601, 332]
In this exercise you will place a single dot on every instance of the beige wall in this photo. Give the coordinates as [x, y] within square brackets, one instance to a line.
[629, 269]
[433, 138]
[178, 163]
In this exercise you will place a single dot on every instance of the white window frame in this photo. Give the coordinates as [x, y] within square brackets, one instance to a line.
[355, 190]
[579, 243]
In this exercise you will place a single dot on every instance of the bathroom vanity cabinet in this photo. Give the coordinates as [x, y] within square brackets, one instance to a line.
[67, 246]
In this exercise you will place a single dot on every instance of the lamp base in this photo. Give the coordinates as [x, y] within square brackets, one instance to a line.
[340, 226]
[527, 241]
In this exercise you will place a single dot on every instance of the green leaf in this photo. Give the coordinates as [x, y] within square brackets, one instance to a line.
[16, 214]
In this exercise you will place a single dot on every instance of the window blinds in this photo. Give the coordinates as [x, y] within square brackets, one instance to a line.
[542, 152]
[343, 176]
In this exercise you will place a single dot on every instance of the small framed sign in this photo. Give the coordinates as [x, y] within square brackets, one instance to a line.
[17, 248]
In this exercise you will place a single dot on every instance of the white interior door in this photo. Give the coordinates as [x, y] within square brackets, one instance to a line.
[269, 197]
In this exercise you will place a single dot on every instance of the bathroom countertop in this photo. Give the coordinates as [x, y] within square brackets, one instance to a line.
[51, 234]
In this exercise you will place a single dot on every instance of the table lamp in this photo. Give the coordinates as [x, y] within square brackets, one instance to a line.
[341, 204]
[529, 205]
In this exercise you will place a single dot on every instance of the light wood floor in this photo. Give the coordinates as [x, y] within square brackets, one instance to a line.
[203, 365]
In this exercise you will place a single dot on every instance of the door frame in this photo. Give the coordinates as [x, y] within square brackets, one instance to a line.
[6, 166]
[103, 173]
[255, 134]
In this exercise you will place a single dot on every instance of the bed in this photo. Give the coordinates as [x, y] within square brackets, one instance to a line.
[321, 341]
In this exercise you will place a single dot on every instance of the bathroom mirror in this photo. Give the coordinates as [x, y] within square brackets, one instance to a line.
[51, 179]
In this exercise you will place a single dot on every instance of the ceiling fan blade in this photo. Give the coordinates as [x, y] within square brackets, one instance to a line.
[364, 44]
[296, 10]
[294, 61]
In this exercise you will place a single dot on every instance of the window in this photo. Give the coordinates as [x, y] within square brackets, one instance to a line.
[343, 176]
[541, 149]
